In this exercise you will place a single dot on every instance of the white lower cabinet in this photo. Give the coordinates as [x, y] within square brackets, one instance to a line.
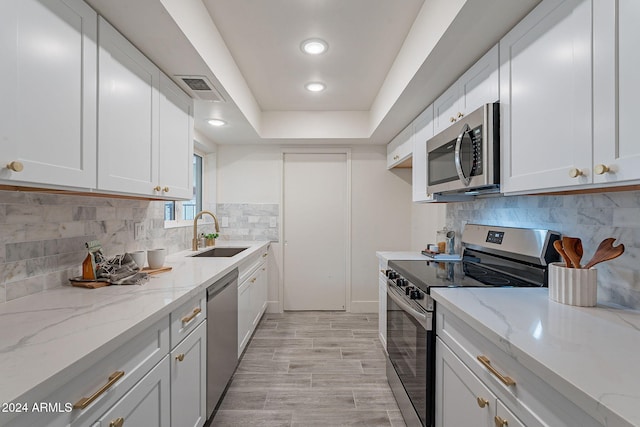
[479, 384]
[146, 404]
[382, 303]
[252, 303]
[188, 380]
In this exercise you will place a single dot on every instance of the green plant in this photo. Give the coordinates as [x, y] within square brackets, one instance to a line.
[211, 235]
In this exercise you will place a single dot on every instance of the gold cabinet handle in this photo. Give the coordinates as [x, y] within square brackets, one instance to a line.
[157, 188]
[180, 357]
[165, 189]
[452, 119]
[264, 255]
[508, 381]
[253, 280]
[86, 401]
[482, 402]
[192, 316]
[460, 115]
[575, 172]
[500, 422]
[15, 166]
[118, 422]
[602, 169]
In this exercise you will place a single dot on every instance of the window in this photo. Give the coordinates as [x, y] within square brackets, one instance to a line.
[187, 210]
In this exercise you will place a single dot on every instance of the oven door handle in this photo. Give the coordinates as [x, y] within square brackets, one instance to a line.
[458, 156]
[421, 318]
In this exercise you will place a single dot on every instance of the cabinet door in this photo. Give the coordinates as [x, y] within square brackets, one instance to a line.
[176, 141]
[545, 98]
[399, 150]
[480, 84]
[189, 379]
[616, 90]
[244, 315]
[48, 84]
[461, 398]
[128, 116]
[504, 417]
[146, 404]
[445, 109]
[423, 131]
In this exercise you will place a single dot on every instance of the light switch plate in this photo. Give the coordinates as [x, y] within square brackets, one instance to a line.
[138, 230]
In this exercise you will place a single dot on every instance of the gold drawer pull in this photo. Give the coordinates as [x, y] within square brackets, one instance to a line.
[118, 422]
[264, 255]
[482, 402]
[500, 422]
[180, 357]
[86, 401]
[487, 364]
[253, 280]
[192, 316]
[157, 188]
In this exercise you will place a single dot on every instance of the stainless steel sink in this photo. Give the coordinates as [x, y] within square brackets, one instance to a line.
[220, 252]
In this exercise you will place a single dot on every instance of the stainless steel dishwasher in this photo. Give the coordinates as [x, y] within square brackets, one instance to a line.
[222, 336]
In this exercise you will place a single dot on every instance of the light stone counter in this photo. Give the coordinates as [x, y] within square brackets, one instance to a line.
[48, 338]
[400, 255]
[590, 355]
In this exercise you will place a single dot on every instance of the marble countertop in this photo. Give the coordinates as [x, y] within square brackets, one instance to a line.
[48, 338]
[401, 255]
[589, 354]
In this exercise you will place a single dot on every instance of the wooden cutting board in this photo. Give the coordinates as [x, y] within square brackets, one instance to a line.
[150, 270]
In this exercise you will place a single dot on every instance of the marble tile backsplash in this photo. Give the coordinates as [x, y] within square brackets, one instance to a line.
[592, 217]
[249, 221]
[43, 236]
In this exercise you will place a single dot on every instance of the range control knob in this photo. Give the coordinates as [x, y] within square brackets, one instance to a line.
[392, 275]
[386, 272]
[416, 294]
[401, 282]
[408, 290]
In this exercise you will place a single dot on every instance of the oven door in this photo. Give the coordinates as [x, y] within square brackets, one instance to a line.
[411, 349]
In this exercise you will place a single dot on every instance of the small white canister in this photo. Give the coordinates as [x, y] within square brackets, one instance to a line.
[573, 286]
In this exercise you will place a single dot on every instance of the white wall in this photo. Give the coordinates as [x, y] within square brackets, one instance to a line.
[426, 219]
[381, 208]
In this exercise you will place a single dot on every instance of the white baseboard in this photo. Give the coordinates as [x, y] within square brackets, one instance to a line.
[273, 307]
[364, 306]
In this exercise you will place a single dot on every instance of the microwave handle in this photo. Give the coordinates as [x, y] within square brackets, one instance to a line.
[458, 161]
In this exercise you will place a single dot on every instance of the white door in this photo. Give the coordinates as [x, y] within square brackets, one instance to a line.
[315, 231]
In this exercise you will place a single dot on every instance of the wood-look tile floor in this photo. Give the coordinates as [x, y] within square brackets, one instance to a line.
[311, 369]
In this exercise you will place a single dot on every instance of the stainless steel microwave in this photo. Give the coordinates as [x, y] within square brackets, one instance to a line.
[465, 157]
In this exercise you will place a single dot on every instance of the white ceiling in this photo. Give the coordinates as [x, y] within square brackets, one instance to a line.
[264, 37]
[384, 65]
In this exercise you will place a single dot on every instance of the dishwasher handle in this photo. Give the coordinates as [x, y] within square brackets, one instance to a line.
[222, 284]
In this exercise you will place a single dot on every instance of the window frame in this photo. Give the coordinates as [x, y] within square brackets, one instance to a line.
[178, 207]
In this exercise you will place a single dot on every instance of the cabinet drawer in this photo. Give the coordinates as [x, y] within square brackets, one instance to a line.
[528, 394]
[250, 265]
[185, 318]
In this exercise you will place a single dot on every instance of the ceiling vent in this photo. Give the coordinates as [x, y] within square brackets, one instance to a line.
[200, 88]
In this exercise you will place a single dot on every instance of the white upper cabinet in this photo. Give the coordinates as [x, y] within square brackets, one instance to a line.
[616, 90]
[423, 131]
[478, 86]
[128, 116]
[48, 87]
[400, 149]
[545, 98]
[176, 141]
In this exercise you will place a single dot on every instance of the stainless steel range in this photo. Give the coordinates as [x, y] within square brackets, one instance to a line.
[492, 256]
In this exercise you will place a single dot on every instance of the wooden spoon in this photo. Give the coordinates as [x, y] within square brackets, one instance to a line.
[558, 246]
[605, 252]
[573, 248]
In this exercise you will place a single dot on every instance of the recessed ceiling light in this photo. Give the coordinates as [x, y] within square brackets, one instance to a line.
[315, 87]
[217, 122]
[314, 46]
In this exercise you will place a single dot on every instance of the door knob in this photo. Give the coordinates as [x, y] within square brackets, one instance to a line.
[460, 115]
[602, 169]
[482, 402]
[575, 172]
[165, 189]
[157, 188]
[15, 166]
